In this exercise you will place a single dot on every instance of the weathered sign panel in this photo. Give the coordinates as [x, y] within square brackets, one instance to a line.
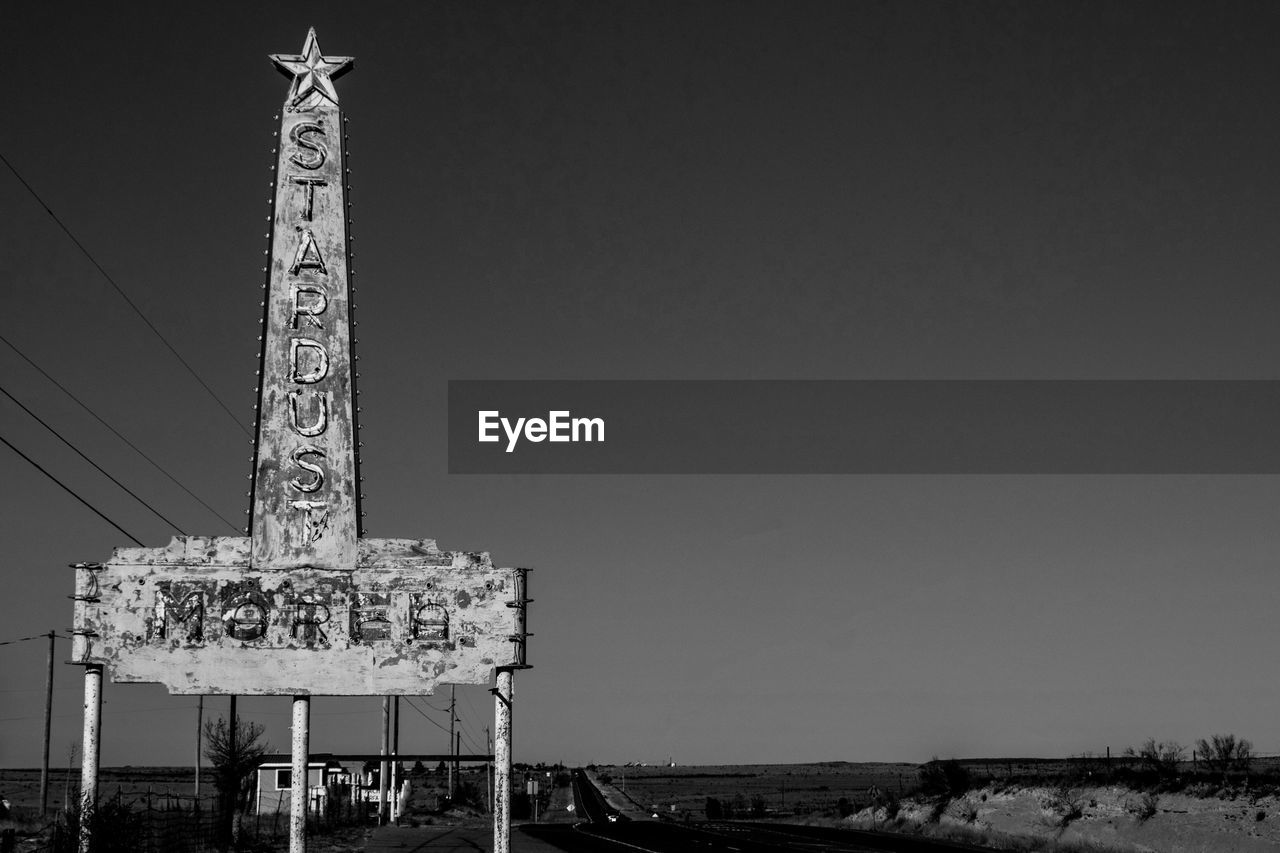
[403, 619]
[305, 495]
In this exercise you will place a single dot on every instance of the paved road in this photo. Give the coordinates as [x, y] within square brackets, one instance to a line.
[604, 829]
[590, 803]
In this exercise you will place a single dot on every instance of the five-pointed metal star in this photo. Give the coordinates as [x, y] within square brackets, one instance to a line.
[312, 72]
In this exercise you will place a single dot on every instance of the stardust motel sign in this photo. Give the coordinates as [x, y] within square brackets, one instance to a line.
[306, 605]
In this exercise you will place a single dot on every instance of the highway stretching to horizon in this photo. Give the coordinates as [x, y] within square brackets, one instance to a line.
[605, 828]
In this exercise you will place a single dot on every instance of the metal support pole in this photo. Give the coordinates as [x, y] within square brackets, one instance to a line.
[298, 777]
[453, 698]
[382, 766]
[199, 735]
[48, 717]
[395, 749]
[89, 758]
[231, 798]
[502, 763]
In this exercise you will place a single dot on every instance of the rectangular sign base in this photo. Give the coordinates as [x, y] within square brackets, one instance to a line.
[193, 617]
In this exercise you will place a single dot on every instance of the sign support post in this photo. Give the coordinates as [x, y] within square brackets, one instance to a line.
[298, 781]
[502, 696]
[383, 767]
[90, 752]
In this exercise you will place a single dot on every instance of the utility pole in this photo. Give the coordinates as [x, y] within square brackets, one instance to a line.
[48, 717]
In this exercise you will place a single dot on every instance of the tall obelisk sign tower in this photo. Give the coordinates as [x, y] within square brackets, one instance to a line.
[306, 489]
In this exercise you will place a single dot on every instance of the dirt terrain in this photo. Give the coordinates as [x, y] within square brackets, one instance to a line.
[1107, 818]
[1001, 813]
[22, 786]
[754, 790]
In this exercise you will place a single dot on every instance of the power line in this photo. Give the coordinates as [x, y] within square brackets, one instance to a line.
[115, 432]
[470, 735]
[433, 707]
[73, 494]
[37, 636]
[123, 295]
[78, 452]
[424, 715]
[470, 740]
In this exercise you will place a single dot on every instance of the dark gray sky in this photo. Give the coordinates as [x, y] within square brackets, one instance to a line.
[665, 191]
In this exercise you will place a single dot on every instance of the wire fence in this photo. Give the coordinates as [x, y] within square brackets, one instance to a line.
[170, 823]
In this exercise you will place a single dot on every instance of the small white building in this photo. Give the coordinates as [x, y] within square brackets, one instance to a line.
[275, 782]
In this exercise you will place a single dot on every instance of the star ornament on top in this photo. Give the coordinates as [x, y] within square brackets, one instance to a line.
[312, 72]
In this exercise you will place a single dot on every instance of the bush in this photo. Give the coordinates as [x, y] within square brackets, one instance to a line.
[115, 826]
[965, 811]
[235, 755]
[1143, 808]
[1225, 753]
[947, 778]
[1061, 807]
[1161, 758]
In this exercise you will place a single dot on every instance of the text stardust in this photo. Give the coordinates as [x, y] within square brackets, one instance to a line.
[558, 426]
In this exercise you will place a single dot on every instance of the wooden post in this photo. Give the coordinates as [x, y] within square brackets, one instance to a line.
[89, 757]
[502, 763]
[48, 717]
[298, 782]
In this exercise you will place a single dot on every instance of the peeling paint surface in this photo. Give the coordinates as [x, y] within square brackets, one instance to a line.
[404, 619]
[305, 495]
